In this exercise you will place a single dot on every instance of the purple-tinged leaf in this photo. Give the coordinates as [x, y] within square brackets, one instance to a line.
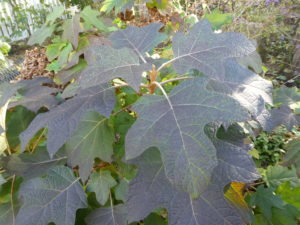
[248, 88]
[106, 63]
[54, 198]
[175, 125]
[71, 29]
[109, 216]
[62, 121]
[35, 95]
[235, 164]
[152, 187]
[206, 51]
[141, 40]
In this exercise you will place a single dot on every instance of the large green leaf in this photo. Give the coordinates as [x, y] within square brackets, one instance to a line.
[54, 198]
[101, 182]
[289, 194]
[17, 121]
[55, 14]
[106, 63]
[90, 16]
[276, 175]
[204, 50]
[9, 204]
[53, 50]
[117, 5]
[286, 95]
[62, 121]
[93, 138]
[41, 34]
[175, 125]
[64, 55]
[266, 199]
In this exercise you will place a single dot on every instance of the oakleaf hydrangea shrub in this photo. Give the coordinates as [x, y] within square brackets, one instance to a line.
[119, 143]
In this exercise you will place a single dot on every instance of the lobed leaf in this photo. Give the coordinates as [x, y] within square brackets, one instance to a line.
[206, 51]
[31, 165]
[109, 216]
[34, 95]
[54, 198]
[106, 63]
[283, 116]
[152, 186]
[175, 125]
[62, 121]
[141, 40]
[93, 138]
[101, 182]
[71, 30]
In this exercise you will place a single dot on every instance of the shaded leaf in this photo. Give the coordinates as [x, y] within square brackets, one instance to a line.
[141, 40]
[155, 219]
[204, 50]
[34, 95]
[93, 138]
[31, 165]
[109, 216]
[234, 162]
[106, 63]
[283, 116]
[9, 202]
[176, 127]
[54, 198]
[17, 121]
[101, 182]
[62, 121]
[266, 199]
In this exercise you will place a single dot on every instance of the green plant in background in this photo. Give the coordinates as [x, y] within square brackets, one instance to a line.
[4, 50]
[68, 38]
[24, 19]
